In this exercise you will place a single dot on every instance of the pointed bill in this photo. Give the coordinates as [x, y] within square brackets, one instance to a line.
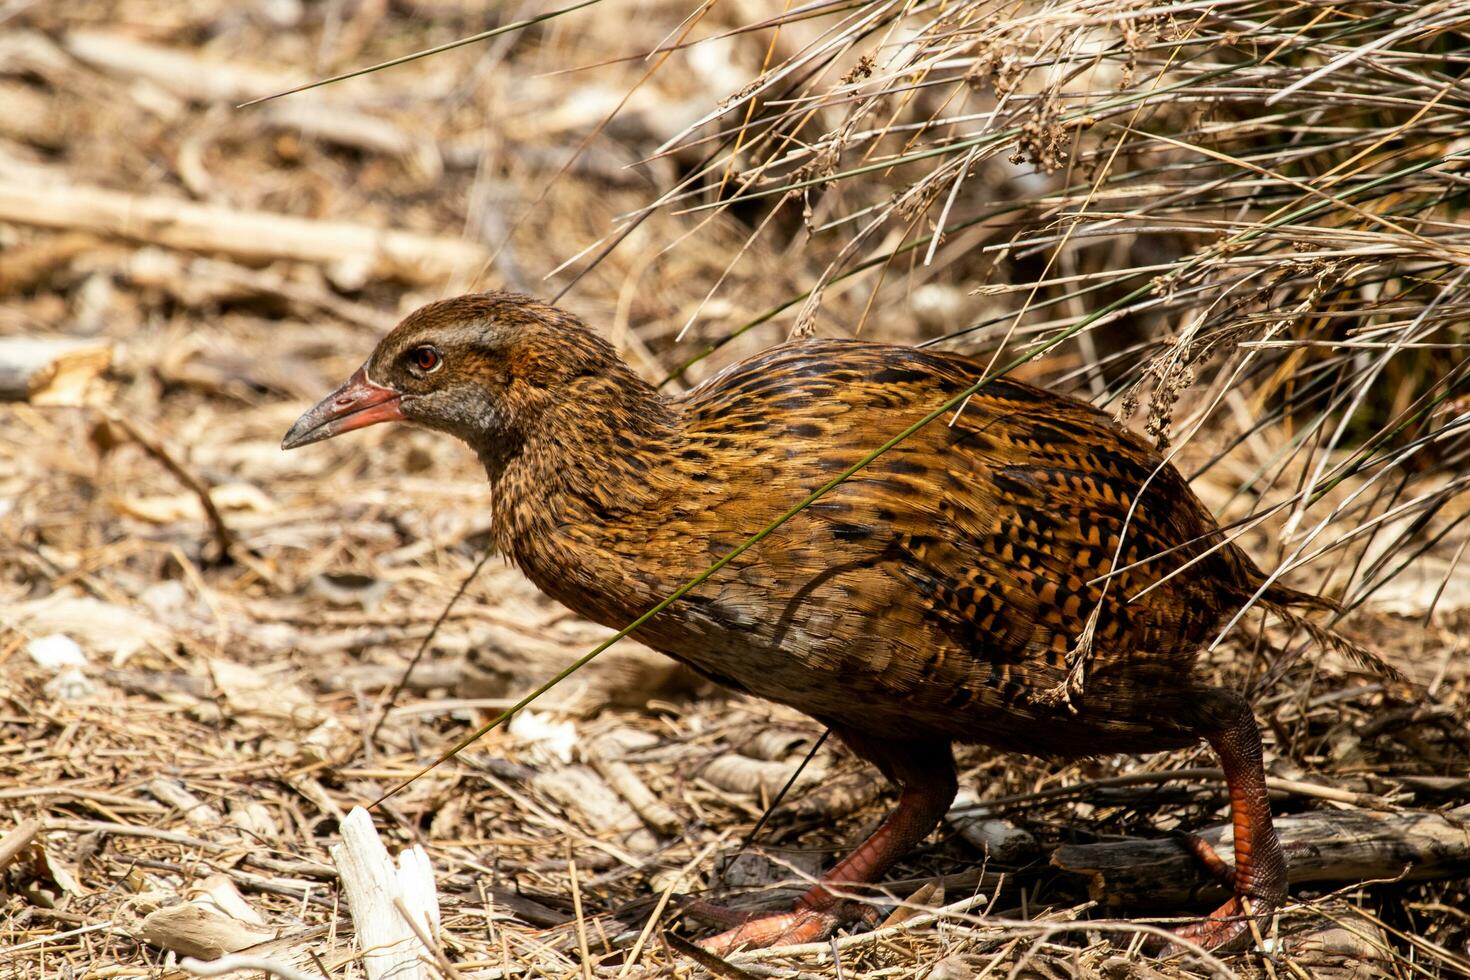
[360, 402]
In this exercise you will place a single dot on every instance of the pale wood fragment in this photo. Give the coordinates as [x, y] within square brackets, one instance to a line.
[604, 756]
[289, 957]
[258, 236]
[29, 116]
[50, 370]
[15, 842]
[197, 813]
[374, 884]
[581, 791]
[196, 930]
[241, 962]
[997, 838]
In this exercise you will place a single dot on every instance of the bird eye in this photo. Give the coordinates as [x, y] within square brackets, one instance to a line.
[426, 359]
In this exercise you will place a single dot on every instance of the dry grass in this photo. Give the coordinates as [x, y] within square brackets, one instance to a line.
[1237, 221]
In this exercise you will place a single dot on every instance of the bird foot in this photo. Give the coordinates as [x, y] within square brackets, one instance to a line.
[801, 925]
[1224, 928]
[1228, 928]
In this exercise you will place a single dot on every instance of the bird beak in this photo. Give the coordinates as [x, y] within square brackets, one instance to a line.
[360, 402]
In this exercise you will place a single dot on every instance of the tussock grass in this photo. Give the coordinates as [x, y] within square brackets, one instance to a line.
[1253, 211]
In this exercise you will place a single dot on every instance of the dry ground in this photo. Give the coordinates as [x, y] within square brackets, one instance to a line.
[221, 717]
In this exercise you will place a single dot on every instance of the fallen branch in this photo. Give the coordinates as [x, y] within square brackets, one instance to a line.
[258, 236]
[1322, 846]
[181, 71]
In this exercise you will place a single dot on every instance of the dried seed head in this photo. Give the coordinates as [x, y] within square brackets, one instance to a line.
[863, 69]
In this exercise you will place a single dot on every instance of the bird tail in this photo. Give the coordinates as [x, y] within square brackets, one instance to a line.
[1282, 602]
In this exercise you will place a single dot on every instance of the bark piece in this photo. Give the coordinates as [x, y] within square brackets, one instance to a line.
[604, 755]
[219, 893]
[776, 744]
[196, 930]
[740, 774]
[1350, 948]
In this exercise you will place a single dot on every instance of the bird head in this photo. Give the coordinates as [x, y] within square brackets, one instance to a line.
[480, 367]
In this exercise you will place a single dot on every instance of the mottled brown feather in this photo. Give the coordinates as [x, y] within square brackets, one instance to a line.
[1024, 573]
[939, 593]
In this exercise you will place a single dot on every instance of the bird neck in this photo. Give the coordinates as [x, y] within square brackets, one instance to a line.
[587, 480]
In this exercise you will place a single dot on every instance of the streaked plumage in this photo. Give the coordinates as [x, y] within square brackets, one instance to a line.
[937, 596]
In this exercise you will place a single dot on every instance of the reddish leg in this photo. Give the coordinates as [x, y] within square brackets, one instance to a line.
[1222, 871]
[1260, 866]
[925, 775]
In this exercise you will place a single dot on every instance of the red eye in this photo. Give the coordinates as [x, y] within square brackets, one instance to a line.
[426, 359]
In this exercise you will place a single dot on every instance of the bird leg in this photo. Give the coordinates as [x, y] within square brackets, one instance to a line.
[1215, 866]
[925, 775]
[1259, 875]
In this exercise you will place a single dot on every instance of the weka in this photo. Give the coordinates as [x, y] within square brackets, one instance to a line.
[939, 595]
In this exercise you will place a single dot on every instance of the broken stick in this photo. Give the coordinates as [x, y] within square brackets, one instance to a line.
[382, 896]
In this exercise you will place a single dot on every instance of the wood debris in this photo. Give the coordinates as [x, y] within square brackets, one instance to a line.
[252, 236]
[394, 905]
[1332, 846]
[50, 371]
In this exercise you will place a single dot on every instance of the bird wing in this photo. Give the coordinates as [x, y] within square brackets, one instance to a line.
[999, 526]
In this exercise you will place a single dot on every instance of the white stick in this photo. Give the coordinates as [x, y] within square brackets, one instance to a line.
[229, 964]
[372, 883]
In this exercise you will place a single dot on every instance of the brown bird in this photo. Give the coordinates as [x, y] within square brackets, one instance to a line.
[1023, 573]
